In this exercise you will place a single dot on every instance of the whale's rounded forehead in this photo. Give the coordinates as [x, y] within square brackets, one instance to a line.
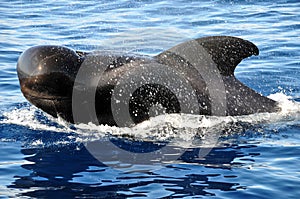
[46, 59]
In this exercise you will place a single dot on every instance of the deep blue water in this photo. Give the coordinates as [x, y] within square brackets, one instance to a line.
[45, 158]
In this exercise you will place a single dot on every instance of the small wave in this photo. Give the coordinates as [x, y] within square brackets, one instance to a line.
[33, 118]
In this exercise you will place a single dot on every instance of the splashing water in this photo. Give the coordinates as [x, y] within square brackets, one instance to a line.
[184, 128]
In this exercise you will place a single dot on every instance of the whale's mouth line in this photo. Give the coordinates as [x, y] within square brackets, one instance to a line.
[53, 98]
[33, 94]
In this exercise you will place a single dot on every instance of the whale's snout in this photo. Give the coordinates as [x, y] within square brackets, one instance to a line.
[47, 71]
[46, 75]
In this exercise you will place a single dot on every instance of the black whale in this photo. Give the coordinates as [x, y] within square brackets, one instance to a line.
[47, 76]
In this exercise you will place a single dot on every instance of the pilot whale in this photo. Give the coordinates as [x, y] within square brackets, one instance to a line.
[48, 79]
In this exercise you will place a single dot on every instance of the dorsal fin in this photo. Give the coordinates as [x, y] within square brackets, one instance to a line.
[227, 52]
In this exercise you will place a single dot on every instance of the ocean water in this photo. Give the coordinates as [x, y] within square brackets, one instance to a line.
[169, 156]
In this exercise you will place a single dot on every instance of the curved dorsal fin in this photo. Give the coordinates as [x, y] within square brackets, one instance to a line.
[227, 52]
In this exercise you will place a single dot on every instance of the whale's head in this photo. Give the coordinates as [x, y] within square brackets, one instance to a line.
[46, 75]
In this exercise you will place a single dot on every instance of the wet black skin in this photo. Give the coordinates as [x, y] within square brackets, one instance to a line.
[47, 75]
